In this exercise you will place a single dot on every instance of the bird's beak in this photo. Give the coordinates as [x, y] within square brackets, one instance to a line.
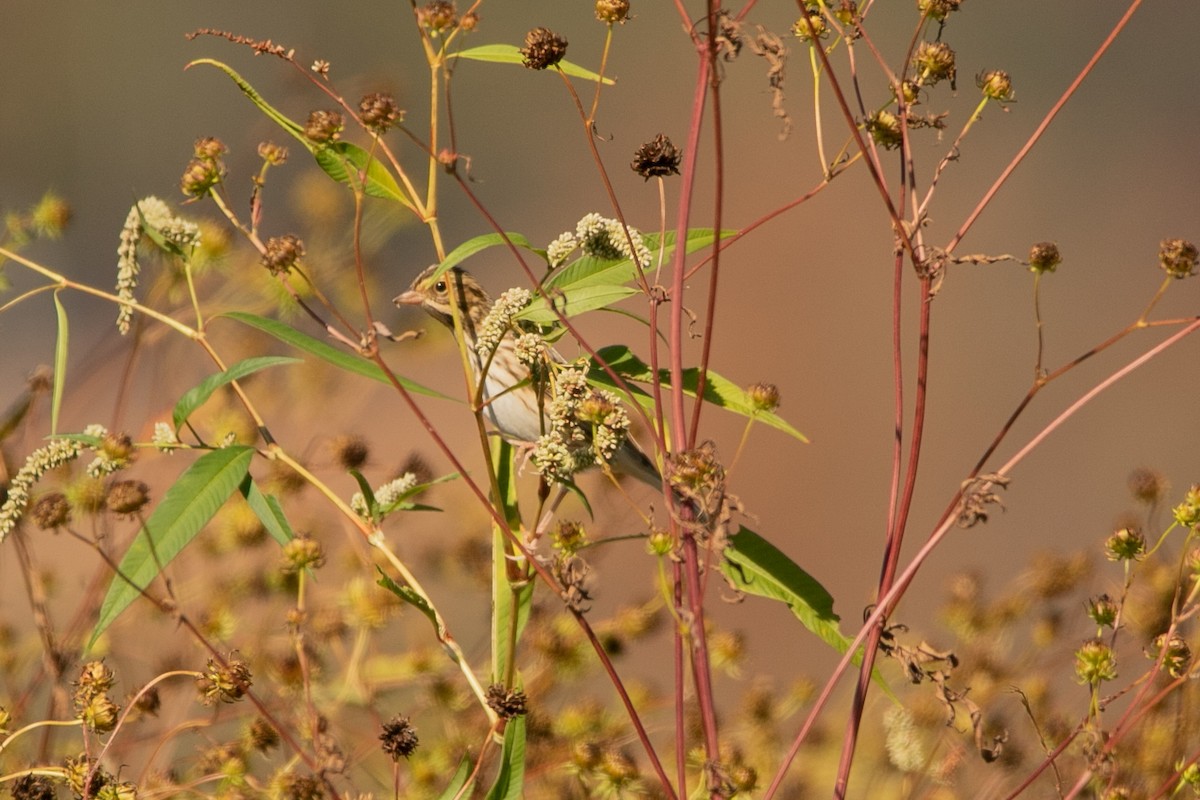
[410, 298]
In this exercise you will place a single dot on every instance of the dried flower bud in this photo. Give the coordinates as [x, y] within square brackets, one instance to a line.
[290, 786]
[321, 67]
[506, 704]
[437, 17]
[149, 701]
[1103, 611]
[938, 9]
[569, 537]
[543, 48]
[764, 396]
[1178, 257]
[1095, 662]
[1044, 257]
[399, 738]
[200, 176]
[884, 128]
[1126, 544]
[99, 714]
[911, 91]
[282, 253]
[324, 127]
[76, 771]
[126, 497]
[95, 678]
[303, 553]
[657, 158]
[226, 684]
[611, 11]
[379, 111]
[51, 511]
[810, 26]
[273, 154]
[934, 62]
[468, 22]
[1187, 513]
[995, 85]
[1176, 655]
[209, 148]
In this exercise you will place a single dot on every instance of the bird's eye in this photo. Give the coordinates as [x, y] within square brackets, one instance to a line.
[439, 287]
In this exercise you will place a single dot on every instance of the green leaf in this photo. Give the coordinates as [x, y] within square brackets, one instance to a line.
[574, 301]
[280, 119]
[198, 395]
[717, 390]
[338, 358]
[332, 157]
[755, 566]
[478, 244]
[185, 509]
[511, 54]
[418, 602]
[380, 182]
[461, 776]
[510, 781]
[510, 604]
[590, 270]
[61, 347]
[268, 510]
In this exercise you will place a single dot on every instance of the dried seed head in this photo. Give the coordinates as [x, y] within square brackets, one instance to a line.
[350, 452]
[261, 736]
[995, 85]
[226, 684]
[884, 128]
[51, 511]
[324, 126]
[399, 738]
[299, 787]
[1187, 513]
[1178, 257]
[507, 704]
[33, 787]
[95, 678]
[569, 537]
[50, 216]
[611, 11]
[1147, 485]
[149, 702]
[200, 176]
[1126, 544]
[764, 396]
[468, 22]
[1103, 610]
[379, 111]
[126, 497]
[1176, 655]
[282, 253]
[209, 148]
[938, 9]
[1044, 257]
[543, 48]
[657, 158]
[303, 553]
[76, 772]
[911, 91]
[273, 154]
[1095, 662]
[934, 62]
[99, 714]
[437, 17]
[810, 26]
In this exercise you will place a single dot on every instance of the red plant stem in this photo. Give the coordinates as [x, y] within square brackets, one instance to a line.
[1037, 134]
[680, 718]
[718, 207]
[939, 533]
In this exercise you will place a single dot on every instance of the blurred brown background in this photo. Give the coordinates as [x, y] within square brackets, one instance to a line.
[97, 106]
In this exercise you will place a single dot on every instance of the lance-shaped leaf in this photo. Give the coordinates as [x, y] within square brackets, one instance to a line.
[198, 395]
[593, 270]
[333, 157]
[717, 390]
[511, 54]
[510, 781]
[61, 348]
[573, 301]
[184, 510]
[325, 352]
[462, 778]
[268, 510]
